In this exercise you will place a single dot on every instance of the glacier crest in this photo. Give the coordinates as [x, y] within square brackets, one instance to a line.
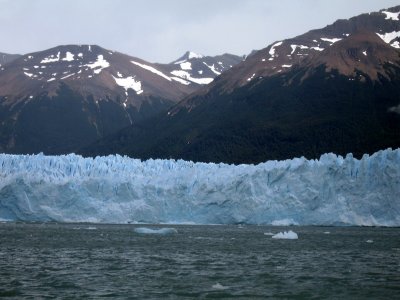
[330, 191]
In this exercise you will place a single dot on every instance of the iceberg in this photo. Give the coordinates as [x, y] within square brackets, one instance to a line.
[332, 190]
[286, 235]
[160, 231]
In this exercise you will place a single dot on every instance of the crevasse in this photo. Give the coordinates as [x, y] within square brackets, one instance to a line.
[330, 191]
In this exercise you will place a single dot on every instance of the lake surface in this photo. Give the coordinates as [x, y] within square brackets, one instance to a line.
[81, 261]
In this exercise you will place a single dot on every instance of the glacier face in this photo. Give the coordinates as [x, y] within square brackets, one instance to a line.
[330, 191]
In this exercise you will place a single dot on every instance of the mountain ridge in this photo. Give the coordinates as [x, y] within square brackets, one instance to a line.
[42, 93]
[337, 99]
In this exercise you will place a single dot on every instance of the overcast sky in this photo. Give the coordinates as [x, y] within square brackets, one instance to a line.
[162, 30]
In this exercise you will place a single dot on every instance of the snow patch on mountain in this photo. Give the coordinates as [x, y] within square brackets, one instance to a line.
[332, 41]
[317, 48]
[180, 80]
[272, 49]
[151, 69]
[186, 66]
[194, 55]
[212, 68]
[390, 36]
[68, 56]
[51, 58]
[395, 44]
[294, 47]
[129, 83]
[391, 15]
[187, 76]
[99, 64]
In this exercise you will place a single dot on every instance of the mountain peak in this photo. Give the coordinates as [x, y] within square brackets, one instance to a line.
[363, 51]
[187, 56]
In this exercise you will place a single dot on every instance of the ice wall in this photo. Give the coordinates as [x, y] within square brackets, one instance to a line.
[330, 191]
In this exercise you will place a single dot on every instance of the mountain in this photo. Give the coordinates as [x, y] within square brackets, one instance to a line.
[61, 99]
[197, 69]
[6, 58]
[281, 56]
[334, 89]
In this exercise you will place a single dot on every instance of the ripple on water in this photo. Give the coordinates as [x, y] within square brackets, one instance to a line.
[38, 261]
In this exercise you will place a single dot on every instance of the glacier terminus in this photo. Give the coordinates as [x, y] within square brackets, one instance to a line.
[333, 190]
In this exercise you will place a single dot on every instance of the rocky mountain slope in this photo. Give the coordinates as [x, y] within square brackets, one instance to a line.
[61, 99]
[334, 89]
[6, 58]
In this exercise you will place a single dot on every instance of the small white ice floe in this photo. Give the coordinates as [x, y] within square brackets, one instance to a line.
[369, 241]
[161, 231]
[219, 286]
[287, 235]
[327, 232]
[269, 233]
[91, 228]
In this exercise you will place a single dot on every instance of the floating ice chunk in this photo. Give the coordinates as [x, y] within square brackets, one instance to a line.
[99, 64]
[327, 232]
[161, 231]
[332, 41]
[51, 59]
[68, 56]
[369, 241]
[91, 228]
[286, 235]
[219, 286]
[391, 16]
[151, 69]
[269, 233]
[186, 66]
[129, 83]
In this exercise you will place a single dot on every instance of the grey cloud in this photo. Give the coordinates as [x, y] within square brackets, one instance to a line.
[160, 30]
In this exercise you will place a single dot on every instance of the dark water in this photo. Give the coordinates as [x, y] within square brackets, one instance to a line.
[201, 262]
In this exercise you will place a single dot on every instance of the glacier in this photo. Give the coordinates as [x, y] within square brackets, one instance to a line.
[332, 190]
